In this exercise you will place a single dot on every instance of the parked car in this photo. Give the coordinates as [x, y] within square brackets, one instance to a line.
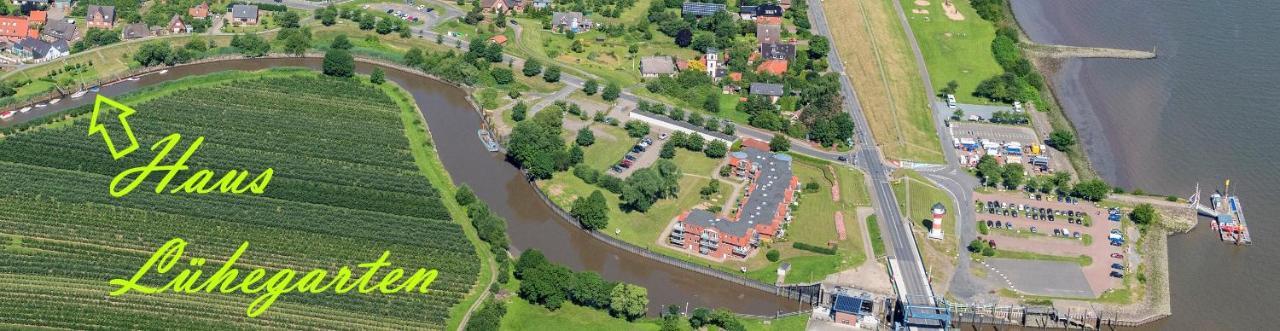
[663, 136]
[1117, 243]
[616, 168]
[1117, 255]
[1033, 229]
[630, 157]
[1117, 266]
[1117, 274]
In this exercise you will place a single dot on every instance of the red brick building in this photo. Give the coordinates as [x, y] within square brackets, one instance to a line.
[14, 27]
[769, 194]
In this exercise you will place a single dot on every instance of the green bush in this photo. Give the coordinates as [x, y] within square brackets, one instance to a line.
[815, 249]
[773, 255]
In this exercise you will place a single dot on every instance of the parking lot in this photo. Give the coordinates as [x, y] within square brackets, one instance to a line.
[1024, 135]
[1085, 225]
[638, 158]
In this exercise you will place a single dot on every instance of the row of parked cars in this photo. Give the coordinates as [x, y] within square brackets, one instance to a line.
[1052, 197]
[1033, 213]
[630, 158]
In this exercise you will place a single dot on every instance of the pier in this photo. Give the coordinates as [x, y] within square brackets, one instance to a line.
[1064, 51]
[1227, 215]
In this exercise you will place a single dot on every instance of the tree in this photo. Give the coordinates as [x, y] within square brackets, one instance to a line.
[694, 142]
[592, 212]
[339, 63]
[329, 16]
[532, 68]
[250, 45]
[668, 150]
[773, 255]
[552, 74]
[712, 103]
[377, 76]
[151, 53]
[684, 37]
[818, 47]
[518, 111]
[591, 290]
[547, 285]
[716, 149]
[611, 92]
[502, 76]
[287, 19]
[1093, 190]
[530, 259]
[1143, 214]
[1013, 175]
[367, 21]
[464, 196]
[297, 44]
[636, 128]
[590, 87]
[586, 137]
[536, 146]
[341, 42]
[779, 143]
[700, 317]
[989, 170]
[576, 155]
[1062, 140]
[628, 301]
[384, 26]
[951, 88]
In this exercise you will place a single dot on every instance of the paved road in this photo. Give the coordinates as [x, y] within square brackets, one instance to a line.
[957, 182]
[915, 287]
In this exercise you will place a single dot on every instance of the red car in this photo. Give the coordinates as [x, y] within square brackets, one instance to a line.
[1117, 255]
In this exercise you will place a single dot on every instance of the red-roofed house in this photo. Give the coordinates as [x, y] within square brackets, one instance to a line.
[498, 39]
[200, 11]
[773, 67]
[14, 27]
[37, 17]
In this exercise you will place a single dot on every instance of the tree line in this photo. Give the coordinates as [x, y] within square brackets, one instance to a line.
[552, 285]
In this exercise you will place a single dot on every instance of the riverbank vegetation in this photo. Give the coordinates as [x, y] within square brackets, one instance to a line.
[338, 150]
[882, 69]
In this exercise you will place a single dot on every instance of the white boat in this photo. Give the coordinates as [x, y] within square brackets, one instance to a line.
[6, 115]
[24, 109]
[77, 95]
[40, 105]
[54, 101]
[132, 79]
[165, 71]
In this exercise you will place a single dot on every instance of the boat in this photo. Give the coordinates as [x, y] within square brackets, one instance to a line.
[6, 115]
[165, 71]
[79, 94]
[487, 139]
[54, 101]
[24, 109]
[40, 105]
[132, 79]
[93, 89]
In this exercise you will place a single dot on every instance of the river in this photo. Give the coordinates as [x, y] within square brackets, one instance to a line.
[531, 223]
[1200, 112]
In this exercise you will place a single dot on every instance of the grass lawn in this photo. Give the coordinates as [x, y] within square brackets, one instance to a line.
[728, 103]
[734, 115]
[939, 255]
[879, 62]
[789, 323]
[955, 50]
[522, 315]
[601, 56]
[1082, 260]
[873, 231]
[608, 148]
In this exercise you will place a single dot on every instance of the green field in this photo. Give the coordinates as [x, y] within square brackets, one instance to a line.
[954, 50]
[522, 315]
[346, 188]
[917, 206]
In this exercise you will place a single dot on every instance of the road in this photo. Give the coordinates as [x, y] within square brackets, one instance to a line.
[915, 287]
[958, 183]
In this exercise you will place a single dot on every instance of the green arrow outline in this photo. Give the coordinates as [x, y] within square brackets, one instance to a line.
[95, 127]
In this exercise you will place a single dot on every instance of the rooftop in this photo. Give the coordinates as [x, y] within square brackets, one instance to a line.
[244, 11]
[701, 8]
[773, 90]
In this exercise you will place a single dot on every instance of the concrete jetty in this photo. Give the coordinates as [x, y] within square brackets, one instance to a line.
[1064, 51]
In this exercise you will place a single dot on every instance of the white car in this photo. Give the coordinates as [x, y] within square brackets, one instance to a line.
[663, 136]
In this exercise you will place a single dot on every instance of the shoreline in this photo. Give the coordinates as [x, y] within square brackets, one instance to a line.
[1155, 303]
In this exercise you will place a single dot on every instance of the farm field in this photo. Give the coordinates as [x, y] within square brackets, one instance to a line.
[883, 71]
[345, 188]
[958, 50]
